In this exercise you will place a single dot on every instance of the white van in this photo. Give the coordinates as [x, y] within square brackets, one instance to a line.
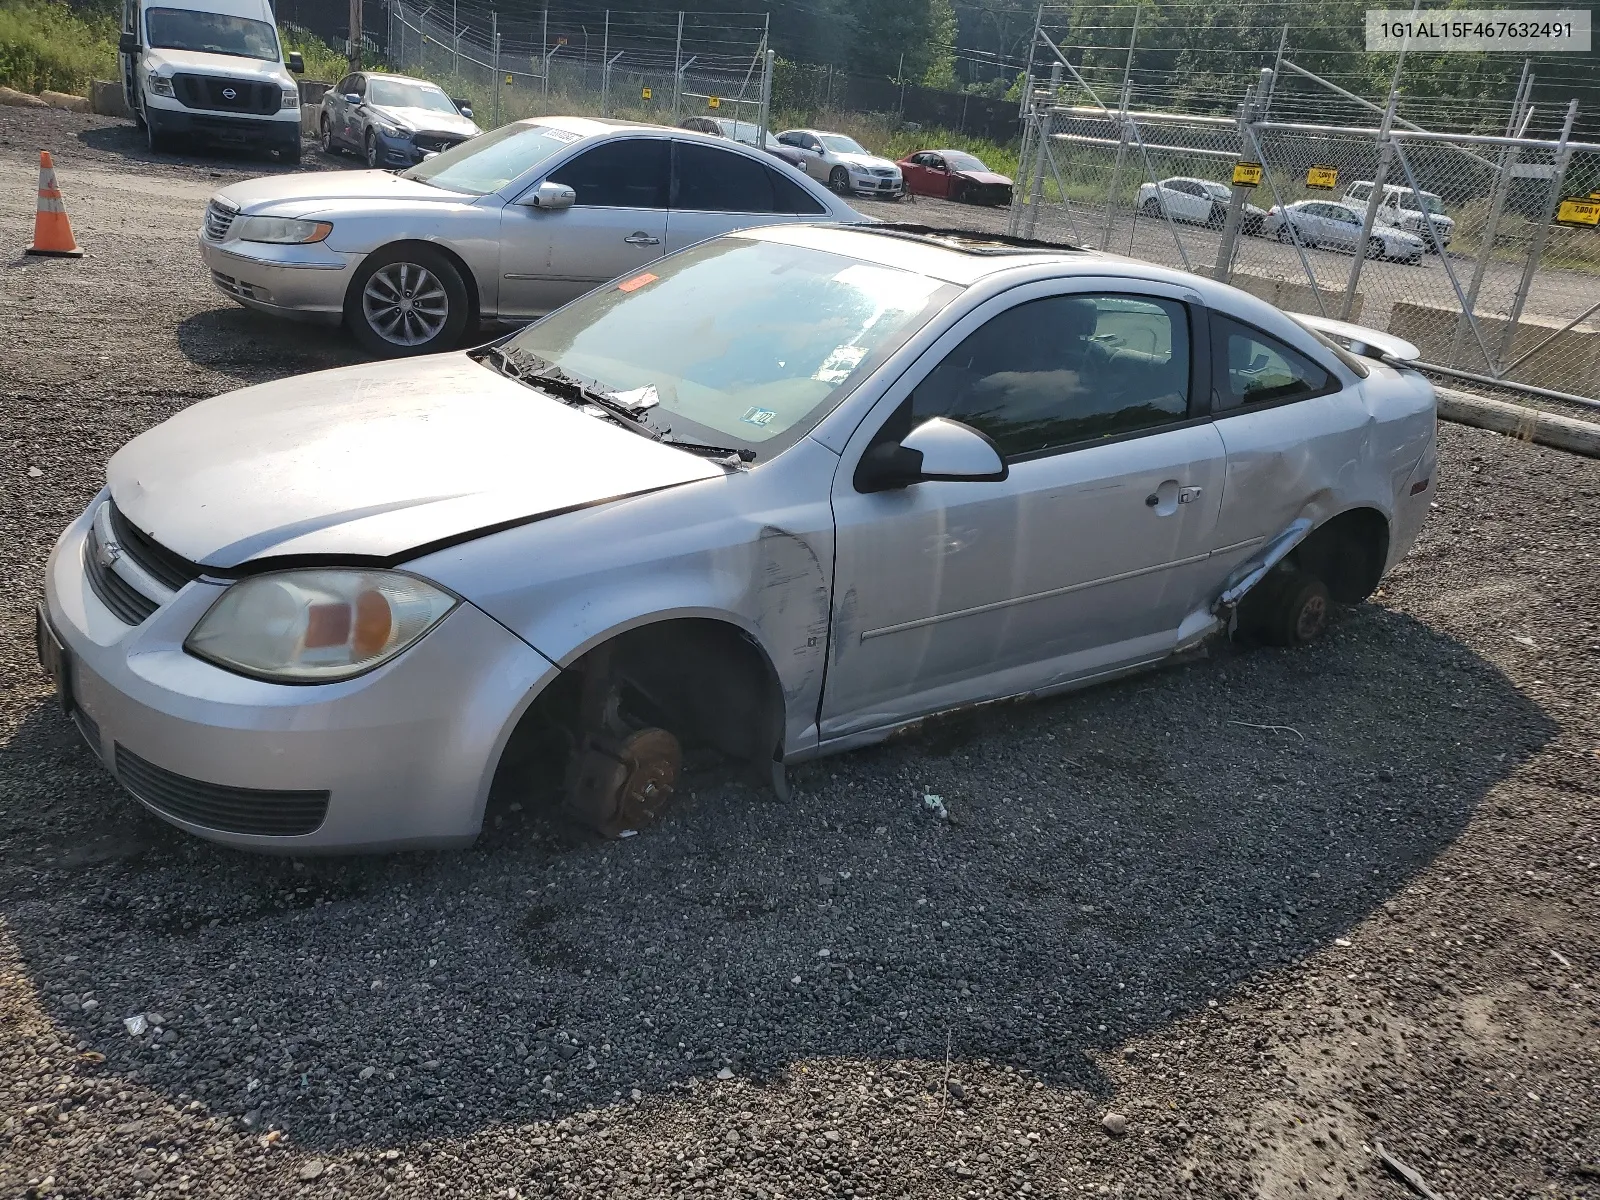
[1421, 213]
[210, 69]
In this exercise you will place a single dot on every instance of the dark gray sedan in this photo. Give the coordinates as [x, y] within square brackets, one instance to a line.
[391, 120]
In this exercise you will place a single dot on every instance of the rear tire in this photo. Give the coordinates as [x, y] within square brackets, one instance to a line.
[326, 128]
[1287, 608]
[406, 300]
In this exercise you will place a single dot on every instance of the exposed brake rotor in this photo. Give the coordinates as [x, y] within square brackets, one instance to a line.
[624, 785]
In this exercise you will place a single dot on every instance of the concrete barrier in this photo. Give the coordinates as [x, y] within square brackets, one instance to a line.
[311, 93]
[1524, 424]
[106, 98]
[1290, 295]
[1572, 364]
[18, 99]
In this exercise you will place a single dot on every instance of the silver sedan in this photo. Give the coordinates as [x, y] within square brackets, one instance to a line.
[504, 227]
[777, 495]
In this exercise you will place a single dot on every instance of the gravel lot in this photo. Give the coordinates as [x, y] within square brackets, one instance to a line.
[1272, 908]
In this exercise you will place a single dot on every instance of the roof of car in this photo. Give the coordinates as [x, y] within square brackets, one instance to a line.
[399, 78]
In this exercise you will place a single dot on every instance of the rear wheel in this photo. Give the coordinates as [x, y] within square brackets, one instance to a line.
[1287, 608]
[839, 181]
[326, 140]
[406, 300]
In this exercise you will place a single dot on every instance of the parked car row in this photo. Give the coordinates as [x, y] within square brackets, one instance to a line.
[709, 503]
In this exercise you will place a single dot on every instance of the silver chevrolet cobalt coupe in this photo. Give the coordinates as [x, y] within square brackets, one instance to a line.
[777, 495]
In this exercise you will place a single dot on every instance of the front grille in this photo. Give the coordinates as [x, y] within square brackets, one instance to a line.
[219, 806]
[130, 606]
[434, 142]
[219, 219]
[210, 91]
[882, 172]
[156, 560]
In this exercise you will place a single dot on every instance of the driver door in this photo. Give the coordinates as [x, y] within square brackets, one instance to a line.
[617, 225]
[1085, 559]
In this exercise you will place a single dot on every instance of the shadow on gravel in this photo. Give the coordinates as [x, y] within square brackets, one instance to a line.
[128, 141]
[254, 347]
[1114, 859]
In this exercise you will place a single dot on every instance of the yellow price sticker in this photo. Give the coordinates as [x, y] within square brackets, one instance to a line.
[644, 93]
[713, 101]
[1579, 212]
[1246, 174]
[1326, 178]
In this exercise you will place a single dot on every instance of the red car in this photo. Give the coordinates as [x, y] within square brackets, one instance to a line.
[954, 175]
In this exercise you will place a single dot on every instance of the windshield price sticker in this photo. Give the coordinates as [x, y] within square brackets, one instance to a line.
[761, 417]
[1246, 174]
[1579, 212]
[637, 282]
[1474, 30]
[1326, 178]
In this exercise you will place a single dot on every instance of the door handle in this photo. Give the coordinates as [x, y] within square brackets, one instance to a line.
[642, 239]
[1188, 495]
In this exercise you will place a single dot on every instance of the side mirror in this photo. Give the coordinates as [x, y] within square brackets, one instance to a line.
[352, 98]
[937, 450]
[463, 106]
[551, 197]
[297, 62]
[128, 43]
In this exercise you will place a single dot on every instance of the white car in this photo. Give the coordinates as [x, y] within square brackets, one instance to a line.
[1338, 226]
[844, 164]
[778, 495]
[1197, 202]
[1421, 213]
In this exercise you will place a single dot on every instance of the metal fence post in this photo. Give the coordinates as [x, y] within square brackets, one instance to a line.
[677, 68]
[494, 34]
[1036, 187]
[544, 55]
[605, 68]
[1255, 103]
[1541, 233]
[1122, 134]
[770, 57]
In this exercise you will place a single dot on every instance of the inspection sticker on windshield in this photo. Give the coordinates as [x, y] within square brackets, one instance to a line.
[838, 365]
[564, 136]
[637, 282]
[758, 416]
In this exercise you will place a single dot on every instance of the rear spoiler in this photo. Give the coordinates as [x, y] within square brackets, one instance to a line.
[1369, 343]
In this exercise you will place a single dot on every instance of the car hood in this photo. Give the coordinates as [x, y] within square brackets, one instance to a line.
[233, 65]
[318, 187]
[866, 160]
[428, 120]
[369, 463]
[987, 177]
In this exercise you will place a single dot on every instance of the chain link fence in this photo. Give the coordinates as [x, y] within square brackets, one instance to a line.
[1449, 240]
[659, 67]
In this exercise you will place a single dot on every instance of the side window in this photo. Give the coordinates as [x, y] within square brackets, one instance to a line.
[1064, 370]
[359, 84]
[789, 139]
[934, 161]
[789, 197]
[710, 180]
[631, 173]
[344, 85]
[1251, 367]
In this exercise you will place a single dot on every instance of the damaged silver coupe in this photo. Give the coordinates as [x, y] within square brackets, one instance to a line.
[780, 495]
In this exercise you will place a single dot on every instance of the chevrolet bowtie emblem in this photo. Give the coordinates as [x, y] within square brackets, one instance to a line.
[107, 553]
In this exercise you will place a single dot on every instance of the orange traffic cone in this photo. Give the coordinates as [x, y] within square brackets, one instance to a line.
[52, 232]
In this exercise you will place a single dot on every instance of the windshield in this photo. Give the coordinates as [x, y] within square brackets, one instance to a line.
[962, 162]
[488, 162]
[840, 144]
[391, 93]
[1219, 190]
[739, 342]
[210, 33]
[1428, 202]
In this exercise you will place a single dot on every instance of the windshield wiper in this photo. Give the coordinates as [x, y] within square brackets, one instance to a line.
[551, 378]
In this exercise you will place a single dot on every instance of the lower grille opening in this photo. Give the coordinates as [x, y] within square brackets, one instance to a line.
[219, 806]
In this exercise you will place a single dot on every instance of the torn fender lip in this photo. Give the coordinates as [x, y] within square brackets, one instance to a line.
[1252, 571]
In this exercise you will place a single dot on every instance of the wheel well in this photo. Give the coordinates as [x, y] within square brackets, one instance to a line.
[468, 279]
[1347, 553]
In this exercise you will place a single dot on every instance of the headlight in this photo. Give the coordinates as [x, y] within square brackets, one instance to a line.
[389, 130]
[158, 86]
[291, 98]
[283, 231]
[317, 626]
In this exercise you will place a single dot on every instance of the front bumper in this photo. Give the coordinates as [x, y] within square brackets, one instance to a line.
[273, 133]
[404, 754]
[890, 189]
[306, 283]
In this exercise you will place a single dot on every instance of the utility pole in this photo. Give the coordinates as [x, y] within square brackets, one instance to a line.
[355, 35]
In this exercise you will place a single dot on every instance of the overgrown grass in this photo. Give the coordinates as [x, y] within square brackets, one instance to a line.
[46, 45]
